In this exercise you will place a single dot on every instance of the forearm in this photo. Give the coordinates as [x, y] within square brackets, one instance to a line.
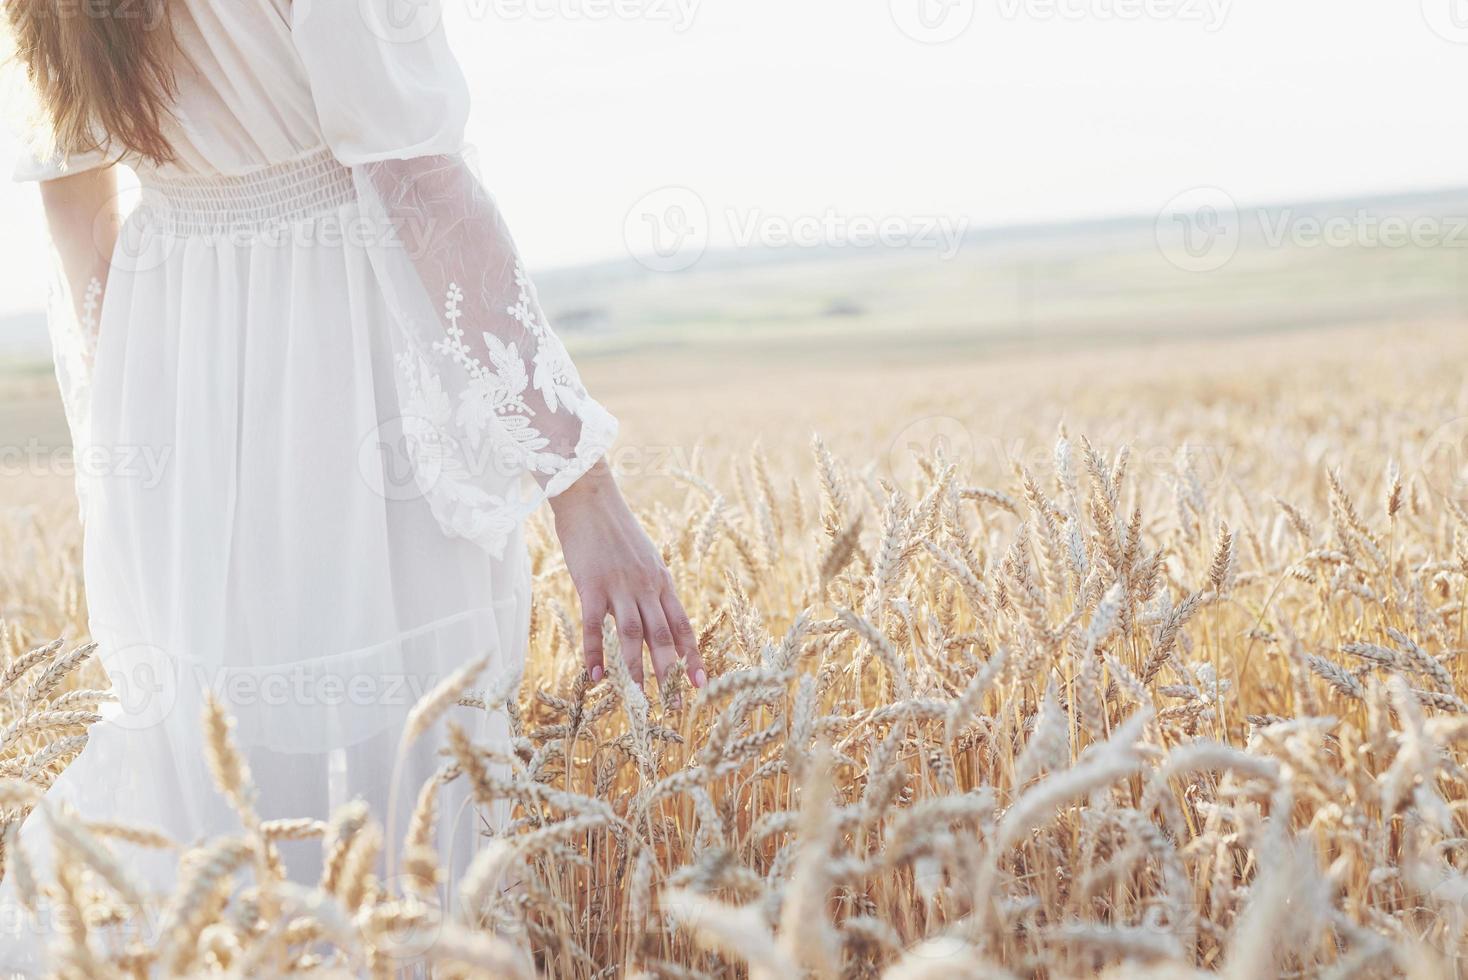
[83, 217]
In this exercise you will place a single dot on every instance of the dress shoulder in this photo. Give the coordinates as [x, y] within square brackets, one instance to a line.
[36, 167]
[385, 83]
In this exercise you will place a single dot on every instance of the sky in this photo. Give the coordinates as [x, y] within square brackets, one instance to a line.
[604, 125]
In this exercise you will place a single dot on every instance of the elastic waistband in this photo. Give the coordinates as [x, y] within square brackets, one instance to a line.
[280, 194]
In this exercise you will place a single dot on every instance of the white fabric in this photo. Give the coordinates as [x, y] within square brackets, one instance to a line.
[322, 400]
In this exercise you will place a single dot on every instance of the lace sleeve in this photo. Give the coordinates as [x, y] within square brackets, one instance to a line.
[488, 392]
[495, 419]
[81, 261]
[78, 260]
[73, 325]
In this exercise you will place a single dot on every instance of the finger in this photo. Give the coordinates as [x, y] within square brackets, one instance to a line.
[593, 614]
[659, 636]
[684, 638]
[630, 632]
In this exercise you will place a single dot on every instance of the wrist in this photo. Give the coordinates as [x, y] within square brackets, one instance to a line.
[595, 484]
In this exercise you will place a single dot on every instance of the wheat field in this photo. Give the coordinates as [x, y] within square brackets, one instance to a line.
[1145, 662]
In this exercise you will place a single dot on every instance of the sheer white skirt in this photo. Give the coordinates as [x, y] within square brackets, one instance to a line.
[252, 529]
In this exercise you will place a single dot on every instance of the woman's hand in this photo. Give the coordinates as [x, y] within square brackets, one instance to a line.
[617, 570]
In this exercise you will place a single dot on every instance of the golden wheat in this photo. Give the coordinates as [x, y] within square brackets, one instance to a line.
[1114, 714]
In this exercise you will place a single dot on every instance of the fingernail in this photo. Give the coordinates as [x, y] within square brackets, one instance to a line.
[597, 674]
[700, 678]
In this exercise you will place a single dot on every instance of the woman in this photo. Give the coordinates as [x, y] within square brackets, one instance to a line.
[315, 398]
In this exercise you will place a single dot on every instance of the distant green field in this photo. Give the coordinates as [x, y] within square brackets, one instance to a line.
[1085, 285]
[1106, 282]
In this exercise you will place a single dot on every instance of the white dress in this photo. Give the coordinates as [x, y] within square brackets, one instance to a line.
[313, 402]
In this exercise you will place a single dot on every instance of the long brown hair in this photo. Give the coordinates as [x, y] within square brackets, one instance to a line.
[102, 70]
